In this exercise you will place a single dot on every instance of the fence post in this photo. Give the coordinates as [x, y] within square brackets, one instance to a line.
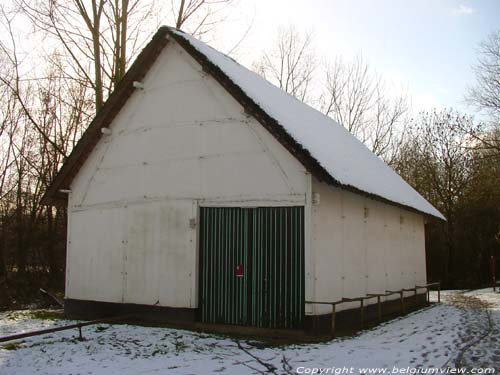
[362, 301]
[493, 263]
[439, 292]
[402, 301]
[333, 318]
[379, 309]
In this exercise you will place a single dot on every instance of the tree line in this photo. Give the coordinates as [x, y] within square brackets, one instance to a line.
[80, 49]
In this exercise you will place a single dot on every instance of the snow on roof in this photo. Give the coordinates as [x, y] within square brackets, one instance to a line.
[342, 155]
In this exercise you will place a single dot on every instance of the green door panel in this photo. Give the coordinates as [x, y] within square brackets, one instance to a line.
[252, 266]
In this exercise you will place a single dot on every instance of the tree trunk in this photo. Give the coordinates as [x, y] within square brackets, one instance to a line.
[3, 239]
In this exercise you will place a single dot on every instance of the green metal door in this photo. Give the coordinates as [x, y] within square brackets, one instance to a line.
[252, 266]
[224, 246]
[278, 264]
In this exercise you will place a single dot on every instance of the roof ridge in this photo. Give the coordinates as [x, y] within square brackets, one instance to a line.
[323, 146]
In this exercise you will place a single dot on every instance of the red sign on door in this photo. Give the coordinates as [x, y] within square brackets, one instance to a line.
[239, 271]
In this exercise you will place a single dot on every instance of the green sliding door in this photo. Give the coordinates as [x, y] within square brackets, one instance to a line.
[252, 266]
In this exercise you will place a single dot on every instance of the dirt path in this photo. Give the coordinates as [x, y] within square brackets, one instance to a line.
[481, 336]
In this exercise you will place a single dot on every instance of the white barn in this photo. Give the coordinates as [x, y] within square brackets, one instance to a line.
[202, 193]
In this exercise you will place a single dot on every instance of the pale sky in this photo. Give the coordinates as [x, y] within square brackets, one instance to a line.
[428, 46]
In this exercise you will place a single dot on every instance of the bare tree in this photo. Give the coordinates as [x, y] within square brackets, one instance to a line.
[199, 17]
[41, 118]
[12, 80]
[9, 120]
[358, 99]
[351, 92]
[290, 64]
[29, 160]
[485, 94]
[106, 34]
[436, 161]
[102, 33]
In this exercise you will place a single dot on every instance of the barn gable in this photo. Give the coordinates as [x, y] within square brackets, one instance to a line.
[180, 143]
[181, 136]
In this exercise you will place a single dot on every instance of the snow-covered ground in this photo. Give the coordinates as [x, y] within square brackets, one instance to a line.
[463, 331]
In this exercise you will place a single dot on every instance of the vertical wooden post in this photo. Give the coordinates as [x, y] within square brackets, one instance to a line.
[362, 301]
[439, 292]
[379, 309]
[493, 271]
[333, 318]
[428, 295]
[402, 301]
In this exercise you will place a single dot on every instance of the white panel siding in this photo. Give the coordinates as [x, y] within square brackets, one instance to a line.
[419, 251]
[180, 143]
[179, 260]
[95, 255]
[393, 255]
[331, 265]
[142, 255]
[359, 253]
[353, 232]
[375, 247]
[185, 137]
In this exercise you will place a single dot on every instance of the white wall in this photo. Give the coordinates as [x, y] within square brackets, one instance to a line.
[184, 142]
[358, 252]
[181, 143]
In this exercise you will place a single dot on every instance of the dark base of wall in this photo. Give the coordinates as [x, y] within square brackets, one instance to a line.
[348, 321]
[82, 309]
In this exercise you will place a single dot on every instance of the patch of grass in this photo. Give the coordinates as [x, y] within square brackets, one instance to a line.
[13, 346]
[463, 301]
[180, 346]
[44, 314]
[14, 315]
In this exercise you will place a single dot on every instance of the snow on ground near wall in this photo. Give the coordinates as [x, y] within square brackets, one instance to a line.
[463, 329]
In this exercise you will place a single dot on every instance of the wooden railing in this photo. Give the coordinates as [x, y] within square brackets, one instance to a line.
[379, 296]
[63, 328]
